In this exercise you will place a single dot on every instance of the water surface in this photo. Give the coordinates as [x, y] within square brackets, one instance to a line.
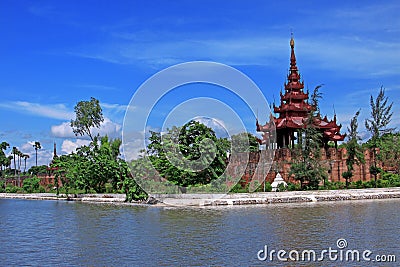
[56, 233]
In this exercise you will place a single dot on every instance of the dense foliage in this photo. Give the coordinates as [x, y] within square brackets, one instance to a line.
[4, 160]
[89, 114]
[188, 155]
[355, 153]
[94, 166]
[192, 156]
[307, 168]
[381, 115]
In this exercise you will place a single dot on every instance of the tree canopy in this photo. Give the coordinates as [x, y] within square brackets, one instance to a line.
[188, 155]
[354, 151]
[307, 168]
[89, 114]
[381, 115]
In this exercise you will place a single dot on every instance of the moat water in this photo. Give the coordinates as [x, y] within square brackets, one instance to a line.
[54, 233]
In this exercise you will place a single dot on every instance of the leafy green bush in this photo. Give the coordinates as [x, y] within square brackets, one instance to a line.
[341, 185]
[392, 178]
[109, 188]
[132, 190]
[334, 185]
[331, 186]
[281, 188]
[2, 190]
[382, 183]
[293, 187]
[12, 189]
[31, 185]
[358, 184]
[369, 184]
[268, 187]
[238, 188]
[42, 189]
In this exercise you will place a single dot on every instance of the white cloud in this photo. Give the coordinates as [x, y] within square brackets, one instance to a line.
[107, 127]
[54, 111]
[63, 130]
[114, 107]
[133, 142]
[132, 149]
[110, 128]
[69, 146]
[341, 52]
[217, 125]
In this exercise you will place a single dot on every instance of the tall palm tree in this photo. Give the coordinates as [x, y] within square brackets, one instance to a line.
[20, 154]
[37, 146]
[25, 156]
[8, 162]
[15, 152]
[3, 158]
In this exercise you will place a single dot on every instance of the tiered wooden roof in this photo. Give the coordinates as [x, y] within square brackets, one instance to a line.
[294, 110]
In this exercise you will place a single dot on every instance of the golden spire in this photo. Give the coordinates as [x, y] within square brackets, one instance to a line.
[292, 41]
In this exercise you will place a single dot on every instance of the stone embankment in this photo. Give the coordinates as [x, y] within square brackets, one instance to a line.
[71, 197]
[277, 197]
[227, 199]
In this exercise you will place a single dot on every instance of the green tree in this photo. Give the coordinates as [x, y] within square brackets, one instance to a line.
[307, 168]
[64, 170]
[8, 162]
[188, 155]
[36, 170]
[93, 166]
[37, 146]
[25, 157]
[4, 160]
[15, 153]
[3, 157]
[89, 114]
[355, 154]
[102, 165]
[31, 184]
[127, 182]
[20, 155]
[381, 115]
[389, 151]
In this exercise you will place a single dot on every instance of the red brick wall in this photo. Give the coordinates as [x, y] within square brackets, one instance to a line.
[333, 159]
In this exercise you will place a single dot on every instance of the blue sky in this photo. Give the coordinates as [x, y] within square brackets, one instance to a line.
[56, 53]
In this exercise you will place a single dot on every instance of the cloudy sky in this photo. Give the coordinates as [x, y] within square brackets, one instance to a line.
[56, 53]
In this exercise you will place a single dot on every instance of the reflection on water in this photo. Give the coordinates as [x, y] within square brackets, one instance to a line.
[51, 233]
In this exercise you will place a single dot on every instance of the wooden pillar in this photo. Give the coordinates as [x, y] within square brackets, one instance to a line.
[284, 140]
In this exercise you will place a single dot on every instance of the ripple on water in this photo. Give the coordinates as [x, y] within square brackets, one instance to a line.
[52, 233]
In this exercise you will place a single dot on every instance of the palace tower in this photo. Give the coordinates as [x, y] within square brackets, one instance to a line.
[293, 112]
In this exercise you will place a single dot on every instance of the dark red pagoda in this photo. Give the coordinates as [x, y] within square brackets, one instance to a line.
[293, 112]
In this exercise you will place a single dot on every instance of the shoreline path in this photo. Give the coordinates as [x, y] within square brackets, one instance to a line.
[225, 199]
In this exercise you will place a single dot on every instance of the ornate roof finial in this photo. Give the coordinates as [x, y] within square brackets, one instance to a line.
[54, 150]
[291, 40]
[334, 113]
[293, 66]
